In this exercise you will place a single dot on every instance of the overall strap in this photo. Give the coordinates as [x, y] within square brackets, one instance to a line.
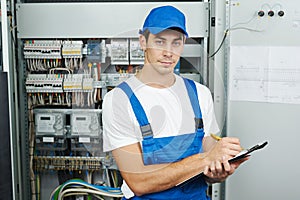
[192, 92]
[138, 110]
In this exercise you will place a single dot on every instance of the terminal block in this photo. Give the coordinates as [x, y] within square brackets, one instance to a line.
[71, 163]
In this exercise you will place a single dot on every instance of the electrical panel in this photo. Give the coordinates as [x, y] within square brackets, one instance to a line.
[65, 81]
[66, 76]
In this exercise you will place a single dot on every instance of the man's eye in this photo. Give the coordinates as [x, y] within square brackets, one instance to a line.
[177, 44]
[159, 42]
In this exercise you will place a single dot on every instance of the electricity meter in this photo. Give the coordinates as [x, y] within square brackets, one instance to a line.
[50, 130]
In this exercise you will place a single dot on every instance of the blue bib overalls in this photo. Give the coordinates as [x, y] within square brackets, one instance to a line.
[171, 149]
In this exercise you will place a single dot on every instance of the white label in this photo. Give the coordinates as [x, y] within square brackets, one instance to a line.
[48, 139]
[84, 139]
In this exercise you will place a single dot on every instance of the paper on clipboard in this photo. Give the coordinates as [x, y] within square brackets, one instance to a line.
[243, 154]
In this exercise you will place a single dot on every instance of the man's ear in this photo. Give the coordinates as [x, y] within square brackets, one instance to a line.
[143, 42]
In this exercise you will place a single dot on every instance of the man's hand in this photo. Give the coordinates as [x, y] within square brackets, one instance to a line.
[218, 171]
[219, 153]
[224, 149]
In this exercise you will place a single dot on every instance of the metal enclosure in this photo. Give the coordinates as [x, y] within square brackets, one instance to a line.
[249, 103]
[98, 20]
[263, 97]
[61, 127]
[253, 43]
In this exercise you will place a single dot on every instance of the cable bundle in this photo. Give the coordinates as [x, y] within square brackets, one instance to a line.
[79, 187]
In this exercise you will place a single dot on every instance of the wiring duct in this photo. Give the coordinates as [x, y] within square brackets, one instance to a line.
[31, 150]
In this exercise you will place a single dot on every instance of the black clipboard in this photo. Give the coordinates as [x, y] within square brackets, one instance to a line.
[247, 152]
[243, 154]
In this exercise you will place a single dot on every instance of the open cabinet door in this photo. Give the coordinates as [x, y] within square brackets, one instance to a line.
[5, 153]
[263, 102]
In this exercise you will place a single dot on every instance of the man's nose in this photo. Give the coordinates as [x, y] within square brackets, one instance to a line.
[168, 50]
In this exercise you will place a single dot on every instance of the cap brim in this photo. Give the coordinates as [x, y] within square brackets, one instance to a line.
[156, 30]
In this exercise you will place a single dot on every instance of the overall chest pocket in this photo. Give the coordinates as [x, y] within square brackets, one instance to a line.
[171, 149]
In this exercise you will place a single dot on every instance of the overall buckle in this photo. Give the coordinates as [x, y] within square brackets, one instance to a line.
[198, 123]
[146, 130]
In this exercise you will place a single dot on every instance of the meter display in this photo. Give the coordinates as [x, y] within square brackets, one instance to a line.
[49, 124]
[85, 124]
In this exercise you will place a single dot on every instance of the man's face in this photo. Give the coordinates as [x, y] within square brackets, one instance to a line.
[163, 50]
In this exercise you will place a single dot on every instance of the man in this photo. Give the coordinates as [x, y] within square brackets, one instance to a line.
[157, 124]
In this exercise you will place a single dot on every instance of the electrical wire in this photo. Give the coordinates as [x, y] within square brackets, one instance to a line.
[221, 44]
[89, 191]
[81, 99]
[244, 23]
[38, 184]
[245, 28]
[98, 197]
[77, 193]
[78, 186]
[233, 28]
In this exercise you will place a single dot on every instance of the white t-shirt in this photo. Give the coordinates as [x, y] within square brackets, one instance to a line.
[168, 110]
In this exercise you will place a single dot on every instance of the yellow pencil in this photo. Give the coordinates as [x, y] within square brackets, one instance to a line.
[215, 137]
[218, 138]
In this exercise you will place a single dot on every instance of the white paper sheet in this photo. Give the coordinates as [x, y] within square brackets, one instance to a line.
[264, 74]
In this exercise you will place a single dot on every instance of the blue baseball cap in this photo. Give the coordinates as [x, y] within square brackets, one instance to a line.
[162, 18]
